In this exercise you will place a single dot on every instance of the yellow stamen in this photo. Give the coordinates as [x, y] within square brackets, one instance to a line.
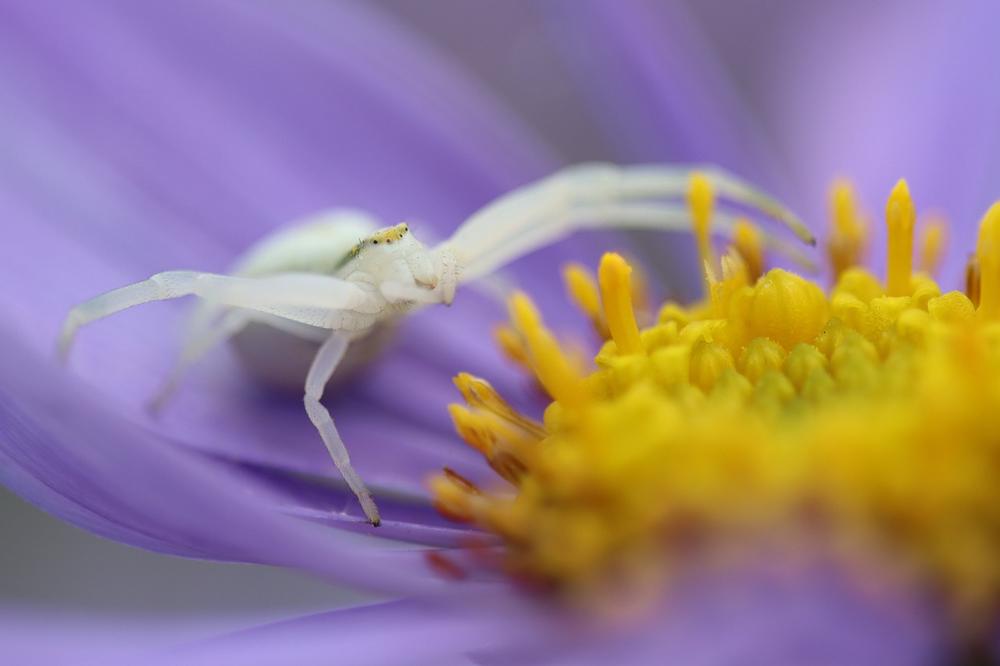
[453, 495]
[511, 344]
[748, 242]
[616, 293]
[472, 430]
[504, 445]
[701, 202]
[900, 216]
[988, 255]
[554, 369]
[933, 241]
[480, 394]
[972, 279]
[847, 241]
[583, 291]
[641, 300]
[738, 420]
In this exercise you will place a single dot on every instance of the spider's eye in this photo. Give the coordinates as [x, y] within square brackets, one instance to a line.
[374, 242]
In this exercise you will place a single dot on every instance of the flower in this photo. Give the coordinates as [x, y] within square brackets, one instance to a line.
[587, 514]
[769, 412]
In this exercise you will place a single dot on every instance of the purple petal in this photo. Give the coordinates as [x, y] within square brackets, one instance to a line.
[63, 449]
[141, 137]
[53, 637]
[661, 94]
[810, 616]
[813, 617]
[409, 631]
[877, 93]
[657, 85]
[749, 618]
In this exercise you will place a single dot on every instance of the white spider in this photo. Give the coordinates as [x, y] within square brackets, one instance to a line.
[317, 281]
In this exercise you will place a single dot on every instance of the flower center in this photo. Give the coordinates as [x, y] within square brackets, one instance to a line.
[865, 420]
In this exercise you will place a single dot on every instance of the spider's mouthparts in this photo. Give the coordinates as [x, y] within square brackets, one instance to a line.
[429, 284]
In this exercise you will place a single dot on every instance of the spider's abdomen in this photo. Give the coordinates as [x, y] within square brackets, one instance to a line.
[317, 244]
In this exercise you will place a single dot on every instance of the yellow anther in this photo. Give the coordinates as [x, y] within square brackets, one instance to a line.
[614, 275]
[933, 242]
[988, 256]
[708, 361]
[583, 291]
[452, 497]
[554, 369]
[847, 241]
[480, 394]
[500, 442]
[472, 429]
[972, 279]
[701, 202]
[642, 303]
[787, 309]
[512, 345]
[749, 244]
[760, 356]
[900, 216]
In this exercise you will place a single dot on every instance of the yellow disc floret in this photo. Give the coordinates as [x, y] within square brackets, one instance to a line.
[615, 277]
[900, 217]
[846, 246]
[988, 256]
[864, 419]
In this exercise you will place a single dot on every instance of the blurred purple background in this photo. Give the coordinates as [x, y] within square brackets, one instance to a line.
[158, 135]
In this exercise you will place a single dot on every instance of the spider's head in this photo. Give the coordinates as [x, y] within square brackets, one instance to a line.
[393, 252]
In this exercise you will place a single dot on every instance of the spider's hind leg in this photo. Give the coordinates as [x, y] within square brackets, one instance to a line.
[208, 327]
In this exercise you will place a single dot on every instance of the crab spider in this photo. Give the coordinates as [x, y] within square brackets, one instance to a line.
[317, 281]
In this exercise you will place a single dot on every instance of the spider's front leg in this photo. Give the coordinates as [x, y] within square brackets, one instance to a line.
[602, 196]
[445, 271]
[327, 359]
[315, 300]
